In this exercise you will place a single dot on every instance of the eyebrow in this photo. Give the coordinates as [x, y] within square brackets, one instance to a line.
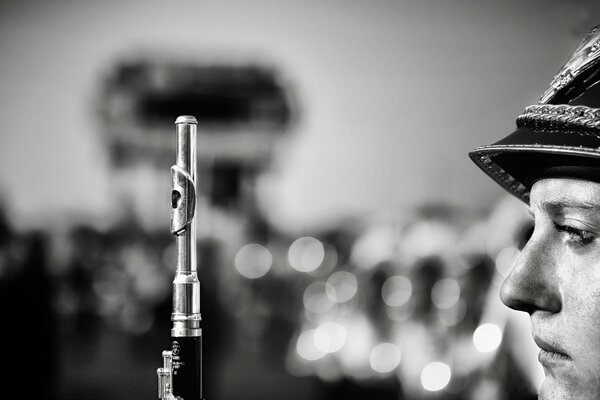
[557, 206]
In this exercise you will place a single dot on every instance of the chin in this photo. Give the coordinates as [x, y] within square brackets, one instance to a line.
[553, 389]
[547, 394]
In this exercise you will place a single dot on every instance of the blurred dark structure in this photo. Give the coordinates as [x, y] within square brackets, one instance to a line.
[242, 110]
[30, 327]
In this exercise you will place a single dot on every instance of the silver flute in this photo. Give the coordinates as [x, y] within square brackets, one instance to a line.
[180, 377]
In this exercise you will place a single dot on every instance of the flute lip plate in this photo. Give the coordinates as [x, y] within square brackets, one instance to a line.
[186, 119]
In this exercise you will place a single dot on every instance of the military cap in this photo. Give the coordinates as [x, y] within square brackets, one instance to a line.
[557, 137]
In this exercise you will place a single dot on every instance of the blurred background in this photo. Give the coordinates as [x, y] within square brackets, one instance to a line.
[347, 246]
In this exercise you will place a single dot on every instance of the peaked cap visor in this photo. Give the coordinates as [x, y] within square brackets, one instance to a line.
[525, 156]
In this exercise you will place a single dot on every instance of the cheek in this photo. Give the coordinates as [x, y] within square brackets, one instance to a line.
[580, 287]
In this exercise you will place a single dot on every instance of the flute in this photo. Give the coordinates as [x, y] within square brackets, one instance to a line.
[180, 377]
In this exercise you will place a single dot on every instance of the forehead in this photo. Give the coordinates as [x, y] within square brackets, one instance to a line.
[565, 192]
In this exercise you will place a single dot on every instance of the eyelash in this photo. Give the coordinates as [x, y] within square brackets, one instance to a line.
[576, 236]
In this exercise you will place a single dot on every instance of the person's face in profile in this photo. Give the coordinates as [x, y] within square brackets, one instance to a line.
[556, 280]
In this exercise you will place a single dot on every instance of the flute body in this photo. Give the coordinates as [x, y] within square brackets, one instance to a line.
[180, 377]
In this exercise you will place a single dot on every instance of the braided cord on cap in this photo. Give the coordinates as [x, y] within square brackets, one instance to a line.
[582, 120]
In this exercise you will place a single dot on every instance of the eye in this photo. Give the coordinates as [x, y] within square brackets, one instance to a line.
[574, 235]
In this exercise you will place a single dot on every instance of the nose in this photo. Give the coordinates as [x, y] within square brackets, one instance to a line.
[532, 285]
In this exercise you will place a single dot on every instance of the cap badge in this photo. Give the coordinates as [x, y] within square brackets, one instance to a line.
[586, 55]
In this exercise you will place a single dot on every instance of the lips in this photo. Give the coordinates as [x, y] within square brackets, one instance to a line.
[550, 353]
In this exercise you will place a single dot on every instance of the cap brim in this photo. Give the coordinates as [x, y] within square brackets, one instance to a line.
[525, 156]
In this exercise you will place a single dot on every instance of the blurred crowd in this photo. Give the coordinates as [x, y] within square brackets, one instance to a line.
[397, 306]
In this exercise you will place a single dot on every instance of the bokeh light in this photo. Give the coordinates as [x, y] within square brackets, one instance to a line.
[385, 357]
[253, 260]
[330, 337]
[341, 286]
[306, 254]
[445, 293]
[396, 290]
[306, 348]
[315, 298]
[435, 376]
[487, 337]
